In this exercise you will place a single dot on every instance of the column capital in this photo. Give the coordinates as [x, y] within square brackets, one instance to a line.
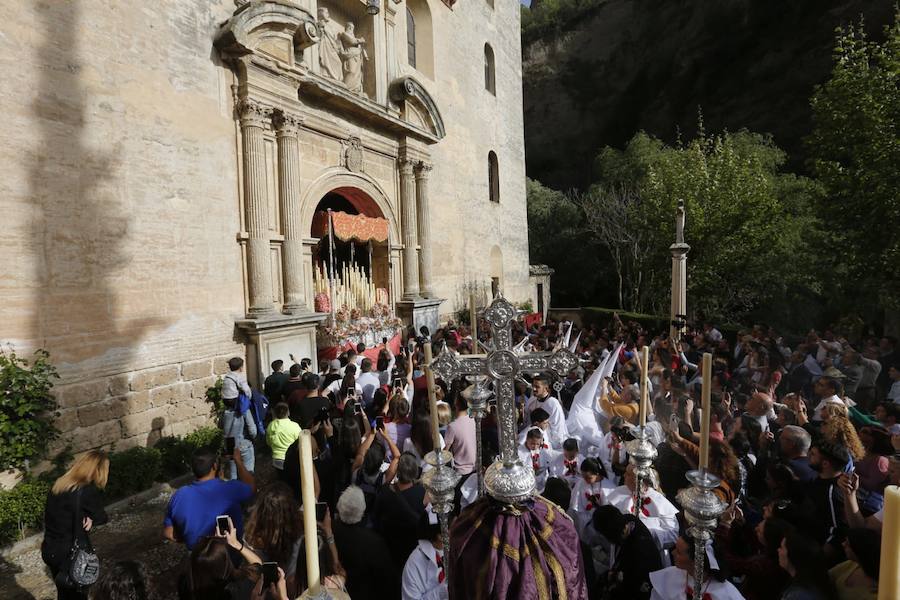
[406, 166]
[286, 123]
[423, 169]
[252, 112]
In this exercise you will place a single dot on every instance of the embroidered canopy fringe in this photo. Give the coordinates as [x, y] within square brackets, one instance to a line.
[349, 227]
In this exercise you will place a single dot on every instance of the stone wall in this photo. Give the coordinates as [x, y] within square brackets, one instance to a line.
[118, 196]
[136, 408]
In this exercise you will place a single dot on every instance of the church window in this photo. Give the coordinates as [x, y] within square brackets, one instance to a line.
[410, 38]
[490, 83]
[493, 177]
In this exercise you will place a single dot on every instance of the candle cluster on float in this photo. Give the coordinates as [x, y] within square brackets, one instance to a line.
[351, 289]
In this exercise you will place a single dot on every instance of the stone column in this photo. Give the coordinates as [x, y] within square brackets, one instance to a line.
[287, 127]
[423, 170]
[259, 262]
[410, 231]
[679, 252]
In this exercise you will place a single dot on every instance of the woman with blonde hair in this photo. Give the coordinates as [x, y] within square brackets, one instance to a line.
[74, 506]
[837, 429]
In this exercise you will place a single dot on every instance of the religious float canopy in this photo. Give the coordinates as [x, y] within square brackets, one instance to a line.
[347, 227]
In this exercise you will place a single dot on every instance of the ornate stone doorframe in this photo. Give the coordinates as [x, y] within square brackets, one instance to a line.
[279, 98]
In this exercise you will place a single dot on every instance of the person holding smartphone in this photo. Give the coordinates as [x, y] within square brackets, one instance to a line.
[193, 509]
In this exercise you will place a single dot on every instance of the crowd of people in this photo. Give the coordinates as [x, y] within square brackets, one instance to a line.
[804, 438]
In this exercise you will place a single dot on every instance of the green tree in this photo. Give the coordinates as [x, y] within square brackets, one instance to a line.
[557, 237]
[855, 150]
[748, 222]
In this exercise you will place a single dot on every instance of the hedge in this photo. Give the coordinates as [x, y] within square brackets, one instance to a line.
[602, 316]
[130, 471]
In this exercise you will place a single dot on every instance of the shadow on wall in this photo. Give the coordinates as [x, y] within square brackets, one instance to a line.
[81, 220]
[9, 587]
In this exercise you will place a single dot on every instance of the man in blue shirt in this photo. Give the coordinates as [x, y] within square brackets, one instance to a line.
[193, 509]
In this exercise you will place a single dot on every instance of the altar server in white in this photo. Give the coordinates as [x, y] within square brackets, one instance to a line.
[589, 492]
[542, 399]
[656, 512]
[567, 463]
[539, 455]
[423, 575]
[677, 582]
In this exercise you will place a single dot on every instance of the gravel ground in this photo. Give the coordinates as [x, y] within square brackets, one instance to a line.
[133, 533]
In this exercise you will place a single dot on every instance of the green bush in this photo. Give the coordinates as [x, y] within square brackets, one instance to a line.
[26, 424]
[176, 452]
[132, 471]
[204, 437]
[22, 509]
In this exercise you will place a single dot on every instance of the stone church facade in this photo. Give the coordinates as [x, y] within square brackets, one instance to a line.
[163, 164]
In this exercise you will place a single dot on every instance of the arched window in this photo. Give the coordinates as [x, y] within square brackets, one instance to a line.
[490, 83]
[493, 177]
[410, 38]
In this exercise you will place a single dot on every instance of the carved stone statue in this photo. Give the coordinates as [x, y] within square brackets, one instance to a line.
[330, 48]
[679, 223]
[354, 54]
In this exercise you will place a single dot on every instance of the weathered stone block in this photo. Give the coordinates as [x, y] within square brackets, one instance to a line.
[106, 410]
[144, 422]
[220, 365]
[66, 420]
[119, 385]
[196, 369]
[154, 378]
[182, 411]
[79, 394]
[101, 434]
[170, 394]
[199, 387]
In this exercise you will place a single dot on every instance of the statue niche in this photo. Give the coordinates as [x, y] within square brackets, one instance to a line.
[341, 53]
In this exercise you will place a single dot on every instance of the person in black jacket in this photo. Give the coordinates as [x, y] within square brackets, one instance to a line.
[74, 506]
[634, 555]
[371, 573]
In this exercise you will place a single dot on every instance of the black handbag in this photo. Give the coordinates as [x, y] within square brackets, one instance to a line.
[83, 568]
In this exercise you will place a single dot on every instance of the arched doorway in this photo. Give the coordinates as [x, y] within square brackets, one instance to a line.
[351, 254]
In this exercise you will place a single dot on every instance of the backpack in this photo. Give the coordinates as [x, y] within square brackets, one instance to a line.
[259, 408]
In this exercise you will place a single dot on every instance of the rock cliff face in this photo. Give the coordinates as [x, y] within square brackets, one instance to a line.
[631, 65]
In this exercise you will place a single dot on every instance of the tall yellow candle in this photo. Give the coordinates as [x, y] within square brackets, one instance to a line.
[310, 532]
[889, 572]
[705, 406]
[645, 392]
[432, 399]
[473, 320]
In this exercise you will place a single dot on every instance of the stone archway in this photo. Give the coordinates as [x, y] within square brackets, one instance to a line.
[357, 194]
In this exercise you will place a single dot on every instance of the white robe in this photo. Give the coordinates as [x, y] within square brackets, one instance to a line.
[670, 584]
[606, 450]
[661, 516]
[421, 575]
[543, 456]
[581, 509]
[558, 430]
[558, 468]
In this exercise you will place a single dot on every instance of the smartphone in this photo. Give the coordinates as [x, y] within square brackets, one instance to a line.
[229, 446]
[321, 507]
[269, 573]
[323, 415]
[379, 422]
[398, 383]
[222, 523]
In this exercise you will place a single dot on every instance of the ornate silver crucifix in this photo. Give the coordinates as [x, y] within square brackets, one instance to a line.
[507, 479]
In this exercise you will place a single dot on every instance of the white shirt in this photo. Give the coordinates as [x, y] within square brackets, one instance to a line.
[894, 393]
[817, 413]
[585, 498]
[560, 467]
[540, 459]
[606, 451]
[468, 491]
[670, 584]
[369, 382]
[422, 577]
[558, 430]
[334, 389]
[657, 513]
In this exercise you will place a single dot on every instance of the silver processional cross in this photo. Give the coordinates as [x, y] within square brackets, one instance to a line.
[507, 479]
